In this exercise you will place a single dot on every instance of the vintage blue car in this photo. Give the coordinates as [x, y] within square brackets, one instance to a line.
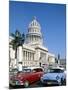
[54, 76]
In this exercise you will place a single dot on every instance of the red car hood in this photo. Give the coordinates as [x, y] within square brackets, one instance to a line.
[20, 76]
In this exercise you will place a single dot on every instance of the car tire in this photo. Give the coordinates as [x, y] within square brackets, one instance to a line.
[62, 81]
[11, 86]
[26, 84]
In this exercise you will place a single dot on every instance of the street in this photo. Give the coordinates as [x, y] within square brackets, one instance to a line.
[36, 84]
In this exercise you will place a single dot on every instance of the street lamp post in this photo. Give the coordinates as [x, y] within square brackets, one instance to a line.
[40, 64]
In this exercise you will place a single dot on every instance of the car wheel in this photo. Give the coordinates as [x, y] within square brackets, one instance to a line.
[62, 81]
[26, 83]
[11, 86]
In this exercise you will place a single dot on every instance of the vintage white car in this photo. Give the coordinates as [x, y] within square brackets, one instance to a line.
[54, 76]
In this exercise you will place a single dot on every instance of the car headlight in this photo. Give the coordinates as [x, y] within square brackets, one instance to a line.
[57, 77]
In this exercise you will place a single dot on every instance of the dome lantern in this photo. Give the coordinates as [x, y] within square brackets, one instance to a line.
[34, 23]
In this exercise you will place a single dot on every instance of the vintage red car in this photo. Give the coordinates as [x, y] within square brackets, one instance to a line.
[27, 76]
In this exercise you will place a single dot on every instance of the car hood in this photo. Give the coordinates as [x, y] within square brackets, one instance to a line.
[19, 76]
[50, 75]
[23, 75]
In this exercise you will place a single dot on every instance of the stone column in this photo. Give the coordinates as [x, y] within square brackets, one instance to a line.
[47, 58]
[20, 58]
[45, 61]
[30, 56]
[27, 56]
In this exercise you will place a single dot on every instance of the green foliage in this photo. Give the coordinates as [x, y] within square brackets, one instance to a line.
[17, 41]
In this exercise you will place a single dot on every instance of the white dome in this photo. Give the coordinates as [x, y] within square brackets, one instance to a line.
[34, 23]
[34, 34]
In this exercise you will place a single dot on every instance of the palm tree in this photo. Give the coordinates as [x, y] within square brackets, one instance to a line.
[17, 41]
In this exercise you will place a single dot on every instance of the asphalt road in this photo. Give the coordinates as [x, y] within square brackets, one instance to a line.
[36, 84]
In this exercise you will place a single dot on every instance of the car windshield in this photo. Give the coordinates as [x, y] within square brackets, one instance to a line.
[55, 71]
[38, 70]
[26, 70]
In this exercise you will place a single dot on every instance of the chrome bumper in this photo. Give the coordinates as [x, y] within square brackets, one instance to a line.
[15, 82]
[49, 82]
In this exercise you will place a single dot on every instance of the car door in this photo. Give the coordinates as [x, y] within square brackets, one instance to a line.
[38, 73]
[34, 75]
[30, 77]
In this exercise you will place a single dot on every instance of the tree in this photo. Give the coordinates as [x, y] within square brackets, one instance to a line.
[17, 41]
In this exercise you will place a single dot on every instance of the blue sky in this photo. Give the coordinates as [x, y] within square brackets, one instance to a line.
[52, 18]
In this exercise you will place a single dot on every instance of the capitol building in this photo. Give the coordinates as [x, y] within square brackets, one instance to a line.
[33, 52]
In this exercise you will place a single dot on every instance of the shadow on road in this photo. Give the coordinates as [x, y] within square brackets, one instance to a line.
[34, 85]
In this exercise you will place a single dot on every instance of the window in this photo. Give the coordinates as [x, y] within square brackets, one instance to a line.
[38, 70]
[26, 70]
[55, 71]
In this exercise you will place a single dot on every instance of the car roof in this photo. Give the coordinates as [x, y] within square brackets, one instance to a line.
[58, 68]
[33, 68]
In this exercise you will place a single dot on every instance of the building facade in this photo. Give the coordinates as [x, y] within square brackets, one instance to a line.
[62, 63]
[33, 52]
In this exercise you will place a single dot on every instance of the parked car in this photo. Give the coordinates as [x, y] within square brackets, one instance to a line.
[13, 72]
[27, 76]
[54, 76]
